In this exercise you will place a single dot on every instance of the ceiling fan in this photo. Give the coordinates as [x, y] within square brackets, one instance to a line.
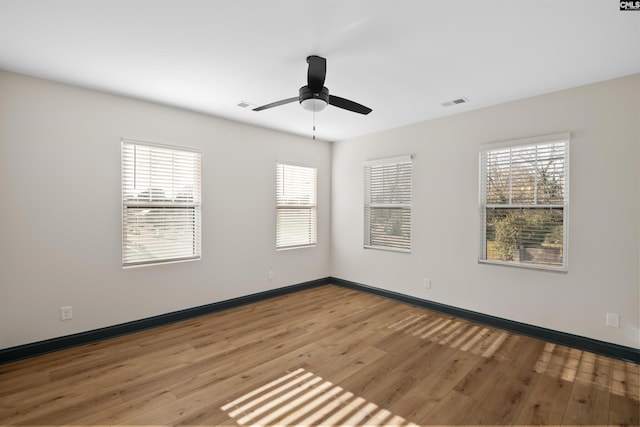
[314, 96]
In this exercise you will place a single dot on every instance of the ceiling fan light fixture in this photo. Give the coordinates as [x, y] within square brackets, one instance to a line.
[313, 101]
[313, 104]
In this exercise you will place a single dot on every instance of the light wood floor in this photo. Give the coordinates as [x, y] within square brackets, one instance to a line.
[327, 356]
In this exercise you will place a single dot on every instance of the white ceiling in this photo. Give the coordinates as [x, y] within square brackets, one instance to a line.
[402, 58]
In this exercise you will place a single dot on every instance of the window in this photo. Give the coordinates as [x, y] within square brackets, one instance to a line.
[296, 206]
[525, 202]
[387, 204]
[160, 204]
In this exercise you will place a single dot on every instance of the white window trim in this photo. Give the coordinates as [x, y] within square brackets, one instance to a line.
[198, 255]
[523, 142]
[368, 204]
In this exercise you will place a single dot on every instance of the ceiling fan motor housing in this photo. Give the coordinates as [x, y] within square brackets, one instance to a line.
[313, 101]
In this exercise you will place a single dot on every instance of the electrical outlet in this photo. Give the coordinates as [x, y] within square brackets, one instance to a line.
[270, 275]
[427, 283]
[66, 312]
[613, 320]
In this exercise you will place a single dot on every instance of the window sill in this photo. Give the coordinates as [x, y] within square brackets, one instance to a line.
[151, 263]
[559, 269]
[386, 248]
[288, 248]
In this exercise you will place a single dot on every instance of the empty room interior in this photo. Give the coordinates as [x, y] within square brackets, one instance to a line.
[319, 213]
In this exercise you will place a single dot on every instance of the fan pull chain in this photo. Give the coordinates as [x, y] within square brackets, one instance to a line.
[314, 122]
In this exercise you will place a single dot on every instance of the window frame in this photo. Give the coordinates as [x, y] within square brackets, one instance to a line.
[368, 204]
[128, 202]
[312, 207]
[564, 137]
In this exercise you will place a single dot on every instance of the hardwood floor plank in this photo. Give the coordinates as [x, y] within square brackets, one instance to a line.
[591, 393]
[442, 372]
[126, 410]
[66, 409]
[327, 355]
[624, 406]
[497, 387]
[450, 410]
[107, 377]
[548, 399]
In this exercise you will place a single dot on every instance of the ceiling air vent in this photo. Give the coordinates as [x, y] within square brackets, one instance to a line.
[454, 102]
[245, 104]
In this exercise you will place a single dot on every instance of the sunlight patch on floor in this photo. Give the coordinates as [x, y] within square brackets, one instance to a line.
[302, 398]
[573, 365]
[448, 331]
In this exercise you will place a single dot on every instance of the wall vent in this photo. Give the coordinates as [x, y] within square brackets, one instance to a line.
[455, 102]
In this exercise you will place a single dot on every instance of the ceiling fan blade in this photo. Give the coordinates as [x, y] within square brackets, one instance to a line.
[276, 104]
[346, 104]
[316, 73]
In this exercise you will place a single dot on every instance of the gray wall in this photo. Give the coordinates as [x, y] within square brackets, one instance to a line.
[604, 218]
[61, 211]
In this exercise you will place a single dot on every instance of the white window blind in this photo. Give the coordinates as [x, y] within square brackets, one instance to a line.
[387, 204]
[160, 204]
[296, 206]
[525, 201]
